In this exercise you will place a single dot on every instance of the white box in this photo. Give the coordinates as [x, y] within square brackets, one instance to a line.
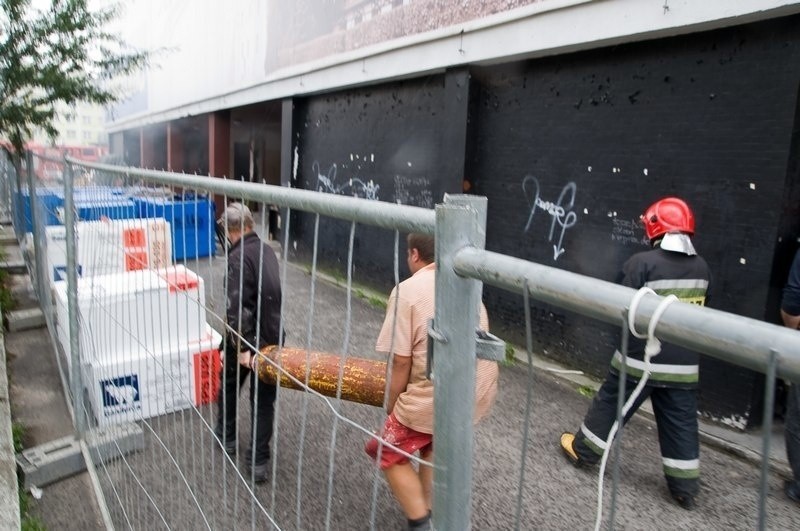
[112, 246]
[124, 314]
[145, 384]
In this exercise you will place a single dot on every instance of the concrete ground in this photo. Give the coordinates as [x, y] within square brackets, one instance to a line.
[182, 481]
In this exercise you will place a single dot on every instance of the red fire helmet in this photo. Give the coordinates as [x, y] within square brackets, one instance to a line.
[670, 214]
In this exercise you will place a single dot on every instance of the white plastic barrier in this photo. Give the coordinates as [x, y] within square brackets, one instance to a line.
[110, 246]
[124, 314]
[151, 383]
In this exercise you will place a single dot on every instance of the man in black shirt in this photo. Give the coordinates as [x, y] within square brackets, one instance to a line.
[253, 314]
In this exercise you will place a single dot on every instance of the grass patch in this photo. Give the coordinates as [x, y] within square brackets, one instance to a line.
[587, 391]
[340, 279]
[511, 357]
[7, 301]
[377, 302]
[28, 522]
[18, 434]
[373, 300]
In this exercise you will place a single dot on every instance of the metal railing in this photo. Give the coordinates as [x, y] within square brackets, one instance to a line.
[462, 264]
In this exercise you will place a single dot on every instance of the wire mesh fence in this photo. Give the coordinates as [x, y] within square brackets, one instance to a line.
[142, 327]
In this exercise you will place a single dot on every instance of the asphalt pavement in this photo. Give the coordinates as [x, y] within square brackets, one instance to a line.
[320, 476]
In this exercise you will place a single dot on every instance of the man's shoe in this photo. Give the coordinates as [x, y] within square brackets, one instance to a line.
[567, 441]
[685, 501]
[421, 524]
[792, 491]
[228, 443]
[259, 473]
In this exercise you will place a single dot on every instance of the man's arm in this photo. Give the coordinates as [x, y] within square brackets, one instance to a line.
[240, 312]
[790, 304]
[398, 373]
[234, 295]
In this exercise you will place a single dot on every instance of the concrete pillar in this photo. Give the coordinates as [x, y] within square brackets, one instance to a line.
[219, 139]
[454, 136]
[116, 144]
[147, 153]
[174, 147]
[219, 149]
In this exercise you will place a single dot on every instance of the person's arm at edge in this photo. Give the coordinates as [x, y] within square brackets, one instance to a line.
[791, 321]
[790, 302]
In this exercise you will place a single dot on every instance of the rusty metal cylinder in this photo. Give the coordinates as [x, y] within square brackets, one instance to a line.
[363, 380]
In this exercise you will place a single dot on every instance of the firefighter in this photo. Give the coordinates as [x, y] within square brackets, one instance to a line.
[672, 266]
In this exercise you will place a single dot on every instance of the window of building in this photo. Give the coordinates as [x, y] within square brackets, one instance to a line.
[71, 133]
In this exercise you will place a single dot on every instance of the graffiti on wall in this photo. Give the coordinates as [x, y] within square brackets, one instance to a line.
[414, 191]
[628, 232]
[352, 186]
[562, 217]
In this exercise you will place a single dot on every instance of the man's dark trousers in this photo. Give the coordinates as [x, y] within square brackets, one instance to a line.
[265, 408]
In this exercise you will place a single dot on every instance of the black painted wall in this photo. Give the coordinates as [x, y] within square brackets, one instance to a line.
[400, 143]
[570, 150]
[598, 136]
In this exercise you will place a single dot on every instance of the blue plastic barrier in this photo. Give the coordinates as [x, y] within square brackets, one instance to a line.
[192, 222]
[48, 202]
[116, 208]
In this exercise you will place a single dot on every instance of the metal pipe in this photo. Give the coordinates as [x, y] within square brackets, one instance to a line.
[726, 336]
[377, 213]
[76, 376]
[460, 222]
[36, 267]
[766, 440]
[363, 380]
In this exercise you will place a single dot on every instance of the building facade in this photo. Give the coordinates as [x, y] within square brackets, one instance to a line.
[79, 125]
[571, 116]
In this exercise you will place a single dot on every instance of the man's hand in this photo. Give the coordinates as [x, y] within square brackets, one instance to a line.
[245, 358]
[792, 321]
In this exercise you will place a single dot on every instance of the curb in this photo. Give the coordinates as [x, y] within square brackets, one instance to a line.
[9, 489]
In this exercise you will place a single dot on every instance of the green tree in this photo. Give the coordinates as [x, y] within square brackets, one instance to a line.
[62, 55]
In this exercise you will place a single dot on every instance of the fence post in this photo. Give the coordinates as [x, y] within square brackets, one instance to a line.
[32, 196]
[460, 222]
[19, 221]
[76, 375]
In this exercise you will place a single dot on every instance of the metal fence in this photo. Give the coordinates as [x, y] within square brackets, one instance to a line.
[136, 358]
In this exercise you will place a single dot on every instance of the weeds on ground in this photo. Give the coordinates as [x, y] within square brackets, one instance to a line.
[511, 356]
[587, 391]
[7, 302]
[377, 302]
[17, 432]
[340, 279]
[28, 522]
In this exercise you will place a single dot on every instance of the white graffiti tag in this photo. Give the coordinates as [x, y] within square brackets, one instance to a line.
[326, 182]
[561, 213]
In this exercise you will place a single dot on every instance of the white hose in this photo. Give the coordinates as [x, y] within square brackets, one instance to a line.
[652, 348]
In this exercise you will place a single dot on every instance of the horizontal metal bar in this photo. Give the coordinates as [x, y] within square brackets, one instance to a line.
[726, 336]
[377, 213]
[47, 158]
